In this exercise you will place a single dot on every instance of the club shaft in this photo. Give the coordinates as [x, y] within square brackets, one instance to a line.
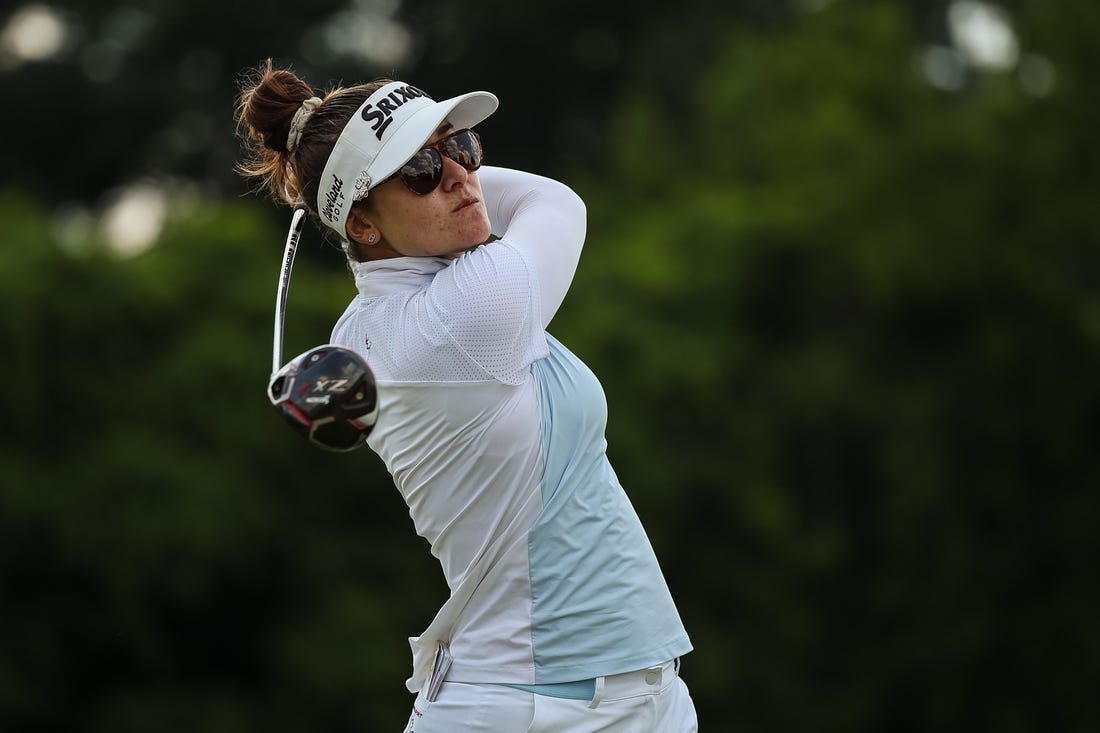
[284, 285]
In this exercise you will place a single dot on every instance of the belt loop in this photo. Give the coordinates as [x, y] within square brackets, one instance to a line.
[598, 695]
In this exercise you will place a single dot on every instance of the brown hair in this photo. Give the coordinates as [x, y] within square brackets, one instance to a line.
[269, 99]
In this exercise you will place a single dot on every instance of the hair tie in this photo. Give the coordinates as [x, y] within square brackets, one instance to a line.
[298, 123]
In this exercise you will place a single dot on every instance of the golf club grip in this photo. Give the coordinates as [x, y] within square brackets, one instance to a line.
[284, 285]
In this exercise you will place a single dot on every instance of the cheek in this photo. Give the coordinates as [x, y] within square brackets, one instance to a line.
[420, 226]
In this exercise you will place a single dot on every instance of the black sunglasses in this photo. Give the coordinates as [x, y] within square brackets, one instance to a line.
[424, 171]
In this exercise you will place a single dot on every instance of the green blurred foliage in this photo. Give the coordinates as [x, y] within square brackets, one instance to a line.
[849, 328]
[864, 315]
[171, 552]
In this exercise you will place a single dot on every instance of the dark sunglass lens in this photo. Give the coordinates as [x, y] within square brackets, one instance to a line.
[423, 172]
[465, 149]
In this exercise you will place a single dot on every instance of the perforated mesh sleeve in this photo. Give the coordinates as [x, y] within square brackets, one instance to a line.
[473, 319]
[487, 302]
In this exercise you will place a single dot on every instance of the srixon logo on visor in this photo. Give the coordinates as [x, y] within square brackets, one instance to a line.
[380, 114]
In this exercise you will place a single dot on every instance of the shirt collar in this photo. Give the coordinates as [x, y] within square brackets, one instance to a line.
[397, 274]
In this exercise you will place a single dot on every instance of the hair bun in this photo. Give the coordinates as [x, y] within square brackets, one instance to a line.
[270, 105]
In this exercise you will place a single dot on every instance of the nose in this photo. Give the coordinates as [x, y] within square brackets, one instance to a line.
[454, 175]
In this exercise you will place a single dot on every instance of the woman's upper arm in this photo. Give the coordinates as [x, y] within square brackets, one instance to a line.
[543, 219]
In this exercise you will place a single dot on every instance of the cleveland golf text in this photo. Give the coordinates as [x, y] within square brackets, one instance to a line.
[334, 199]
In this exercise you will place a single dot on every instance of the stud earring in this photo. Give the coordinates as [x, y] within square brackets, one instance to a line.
[371, 238]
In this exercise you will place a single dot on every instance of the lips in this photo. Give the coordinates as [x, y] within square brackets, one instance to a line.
[465, 203]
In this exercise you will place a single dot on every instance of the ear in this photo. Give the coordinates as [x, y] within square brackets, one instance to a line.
[361, 229]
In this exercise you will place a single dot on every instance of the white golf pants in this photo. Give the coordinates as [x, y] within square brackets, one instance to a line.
[653, 700]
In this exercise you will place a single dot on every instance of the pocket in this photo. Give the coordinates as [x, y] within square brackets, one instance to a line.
[420, 706]
[557, 714]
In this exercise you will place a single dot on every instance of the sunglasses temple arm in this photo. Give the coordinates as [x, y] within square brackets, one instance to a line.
[284, 284]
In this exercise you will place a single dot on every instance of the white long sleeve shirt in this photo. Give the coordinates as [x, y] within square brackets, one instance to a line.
[494, 435]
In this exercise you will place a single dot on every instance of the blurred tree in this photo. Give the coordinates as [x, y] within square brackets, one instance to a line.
[862, 315]
[171, 555]
[147, 87]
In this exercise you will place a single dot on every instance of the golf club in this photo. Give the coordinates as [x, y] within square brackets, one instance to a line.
[327, 394]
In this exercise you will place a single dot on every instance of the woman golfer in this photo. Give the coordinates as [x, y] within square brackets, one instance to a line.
[559, 619]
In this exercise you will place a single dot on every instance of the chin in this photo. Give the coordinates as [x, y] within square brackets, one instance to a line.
[478, 236]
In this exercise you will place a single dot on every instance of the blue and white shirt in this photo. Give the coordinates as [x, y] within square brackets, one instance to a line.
[494, 435]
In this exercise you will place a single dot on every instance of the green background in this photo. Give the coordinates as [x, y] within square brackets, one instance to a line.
[841, 286]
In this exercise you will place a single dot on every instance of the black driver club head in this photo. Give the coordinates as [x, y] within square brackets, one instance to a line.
[328, 396]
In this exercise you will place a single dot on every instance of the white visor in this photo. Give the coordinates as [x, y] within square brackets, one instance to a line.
[383, 134]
